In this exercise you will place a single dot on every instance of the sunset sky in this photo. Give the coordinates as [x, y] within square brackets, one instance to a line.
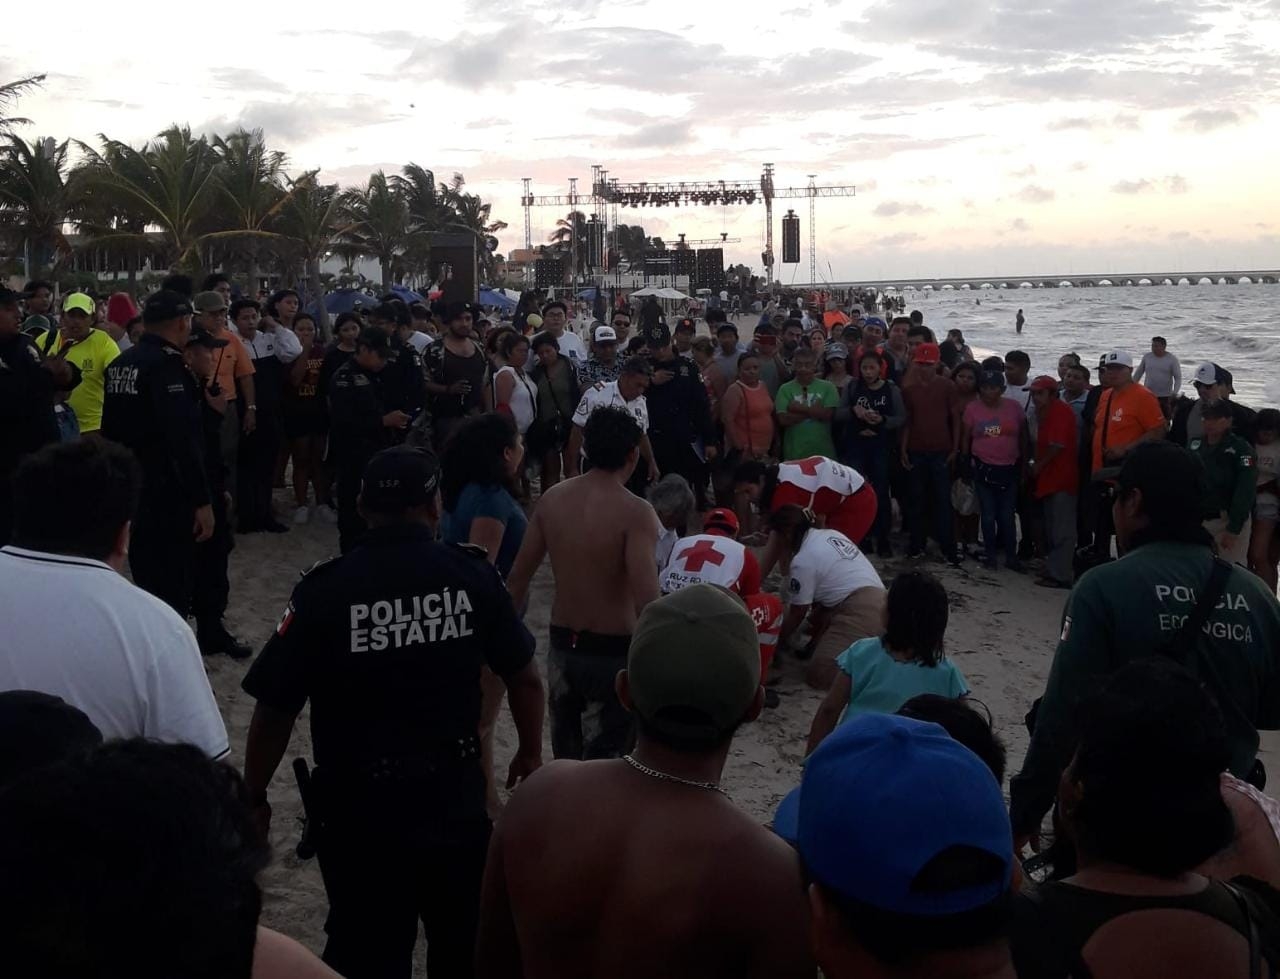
[1004, 138]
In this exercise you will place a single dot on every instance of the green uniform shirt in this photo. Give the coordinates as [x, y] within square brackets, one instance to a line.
[1232, 478]
[810, 437]
[1127, 610]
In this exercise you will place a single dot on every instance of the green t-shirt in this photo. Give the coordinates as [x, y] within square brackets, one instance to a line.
[811, 437]
[1129, 609]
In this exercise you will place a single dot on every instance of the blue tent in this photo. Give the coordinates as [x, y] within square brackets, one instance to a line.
[589, 293]
[491, 297]
[345, 300]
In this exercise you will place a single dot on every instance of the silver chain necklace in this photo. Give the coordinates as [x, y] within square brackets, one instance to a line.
[667, 777]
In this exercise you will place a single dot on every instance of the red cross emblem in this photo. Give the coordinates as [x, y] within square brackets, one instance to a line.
[696, 556]
[810, 466]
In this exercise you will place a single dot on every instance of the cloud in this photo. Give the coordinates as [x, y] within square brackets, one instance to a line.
[1207, 120]
[1079, 166]
[891, 209]
[302, 118]
[898, 240]
[1035, 194]
[662, 134]
[470, 61]
[1028, 171]
[488, 122]
[1019, 225]
[244, 80]
[1172, 184]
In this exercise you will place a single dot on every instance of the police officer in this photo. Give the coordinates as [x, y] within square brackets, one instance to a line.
[679, 412]
[387, 643]
[360, 424]
[1231, 477]
[210, 586]
[151, 406]
[1146, 604]
[403, 382]
[27, 386]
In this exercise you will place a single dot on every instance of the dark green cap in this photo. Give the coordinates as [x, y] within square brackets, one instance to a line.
[694, 663]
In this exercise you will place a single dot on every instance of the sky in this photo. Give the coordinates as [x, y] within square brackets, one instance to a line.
[1008, 137]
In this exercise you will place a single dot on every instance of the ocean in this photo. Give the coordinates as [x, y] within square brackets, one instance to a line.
[1236, 327]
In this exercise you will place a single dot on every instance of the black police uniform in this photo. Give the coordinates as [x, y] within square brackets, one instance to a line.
[26, 410]
[211, 587]
[679, 412]
[387, 643]
[403, 382]
[151, 406]
[357, 404]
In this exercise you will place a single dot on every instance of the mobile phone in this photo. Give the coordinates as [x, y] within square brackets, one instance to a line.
[1038, 867]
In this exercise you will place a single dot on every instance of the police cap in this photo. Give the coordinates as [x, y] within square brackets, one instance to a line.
[398, 479]
[165, 305]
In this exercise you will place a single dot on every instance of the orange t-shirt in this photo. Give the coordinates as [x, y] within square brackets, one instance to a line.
[231, 362]
[747, 414]
[1124, 414]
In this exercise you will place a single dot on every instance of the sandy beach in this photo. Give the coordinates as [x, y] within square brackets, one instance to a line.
[1002, 634]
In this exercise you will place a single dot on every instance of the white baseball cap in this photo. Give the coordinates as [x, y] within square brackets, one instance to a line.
[606, 334]
[1117, 358]
[1206, 373]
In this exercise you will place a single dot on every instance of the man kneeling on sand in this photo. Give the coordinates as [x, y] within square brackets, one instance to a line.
[641, 866]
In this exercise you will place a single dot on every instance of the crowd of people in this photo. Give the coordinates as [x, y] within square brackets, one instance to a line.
[676, 470]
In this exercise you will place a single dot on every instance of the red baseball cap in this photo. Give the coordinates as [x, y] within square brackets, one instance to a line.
[927, 353]
[1044, 383]
[721, 521]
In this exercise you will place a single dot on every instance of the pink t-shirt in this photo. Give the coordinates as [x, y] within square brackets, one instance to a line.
[996, 431]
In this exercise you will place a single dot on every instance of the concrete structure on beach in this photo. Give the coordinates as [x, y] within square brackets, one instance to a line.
[1219, 277]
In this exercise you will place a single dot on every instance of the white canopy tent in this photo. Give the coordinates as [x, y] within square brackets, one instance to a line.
[664, 293]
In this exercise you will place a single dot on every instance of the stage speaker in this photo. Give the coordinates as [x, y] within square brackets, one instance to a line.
[791, 239]
[686, 262]
[453, 257]
[710, 269]
[548, 273]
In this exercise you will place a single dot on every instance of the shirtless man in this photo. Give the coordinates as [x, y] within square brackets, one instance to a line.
[665, 876]
[601, 539]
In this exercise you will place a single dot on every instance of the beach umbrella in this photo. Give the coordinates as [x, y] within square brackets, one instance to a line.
[405, 293]
[345, 300]
[491, 297]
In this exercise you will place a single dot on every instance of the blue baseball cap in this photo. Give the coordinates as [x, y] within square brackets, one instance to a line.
[881, 798]
[874, 321]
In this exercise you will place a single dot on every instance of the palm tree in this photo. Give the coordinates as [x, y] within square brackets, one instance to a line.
[377, 222]
[629, 242]
[471, 215]
[36, 199]
[249, 183]
[10, 92]
[569, 240]
[170, 184]
[310, 222]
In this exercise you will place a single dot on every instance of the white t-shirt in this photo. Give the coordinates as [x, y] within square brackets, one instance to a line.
[667, 539]
[819, 473]
[828, 569]
[571, 346]
[607, 395]
[76, 629]
[703, 559]
[524, 398]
